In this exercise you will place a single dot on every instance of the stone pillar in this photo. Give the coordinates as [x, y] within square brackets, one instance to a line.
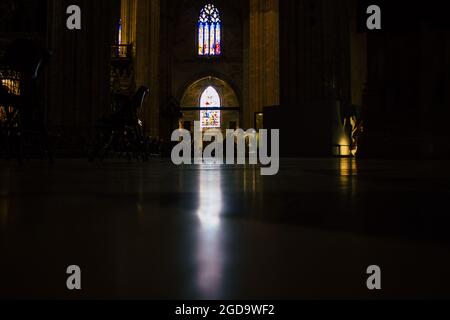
[147, 59]
[358, 58]
[79, 70]
[263, 58]
[314, 74]
[128, 16]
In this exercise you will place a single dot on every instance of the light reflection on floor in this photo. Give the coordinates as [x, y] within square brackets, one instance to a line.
[209, 252]
[154, 230]
[348, 167]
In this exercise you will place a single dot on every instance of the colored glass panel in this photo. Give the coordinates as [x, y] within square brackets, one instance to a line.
[209, 31]
[209, 100]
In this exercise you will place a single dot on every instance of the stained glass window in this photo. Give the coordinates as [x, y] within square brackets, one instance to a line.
[120, 32]
[209, 32]
[210, 102]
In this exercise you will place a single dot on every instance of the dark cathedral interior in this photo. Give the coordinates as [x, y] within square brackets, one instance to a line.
[89, 101]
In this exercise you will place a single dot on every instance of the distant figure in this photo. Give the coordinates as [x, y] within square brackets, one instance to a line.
[353, 125]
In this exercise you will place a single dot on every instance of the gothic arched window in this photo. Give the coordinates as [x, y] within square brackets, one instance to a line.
[209, 32]
[210, 105]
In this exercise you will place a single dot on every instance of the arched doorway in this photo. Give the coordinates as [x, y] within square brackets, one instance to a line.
[213, 103]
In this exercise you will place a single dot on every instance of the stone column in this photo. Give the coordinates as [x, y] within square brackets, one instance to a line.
[147, 59]
[315, 74]
[358, 58]
[263, 58]
[79, 70]
[128, 16]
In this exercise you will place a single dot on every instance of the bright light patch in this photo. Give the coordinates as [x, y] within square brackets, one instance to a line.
[210, 100]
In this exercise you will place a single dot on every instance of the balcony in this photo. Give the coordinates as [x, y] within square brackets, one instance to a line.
[122, 73]
[122, 52]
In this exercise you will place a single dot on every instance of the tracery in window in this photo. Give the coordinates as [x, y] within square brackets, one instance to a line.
[209, 32]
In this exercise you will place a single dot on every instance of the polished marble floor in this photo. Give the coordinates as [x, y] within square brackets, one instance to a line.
[156, 231]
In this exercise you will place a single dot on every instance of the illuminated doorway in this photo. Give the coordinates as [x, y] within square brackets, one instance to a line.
[213, 103]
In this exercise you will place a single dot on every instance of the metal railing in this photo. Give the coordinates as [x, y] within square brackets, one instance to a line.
[9, 82]
[122, 51]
